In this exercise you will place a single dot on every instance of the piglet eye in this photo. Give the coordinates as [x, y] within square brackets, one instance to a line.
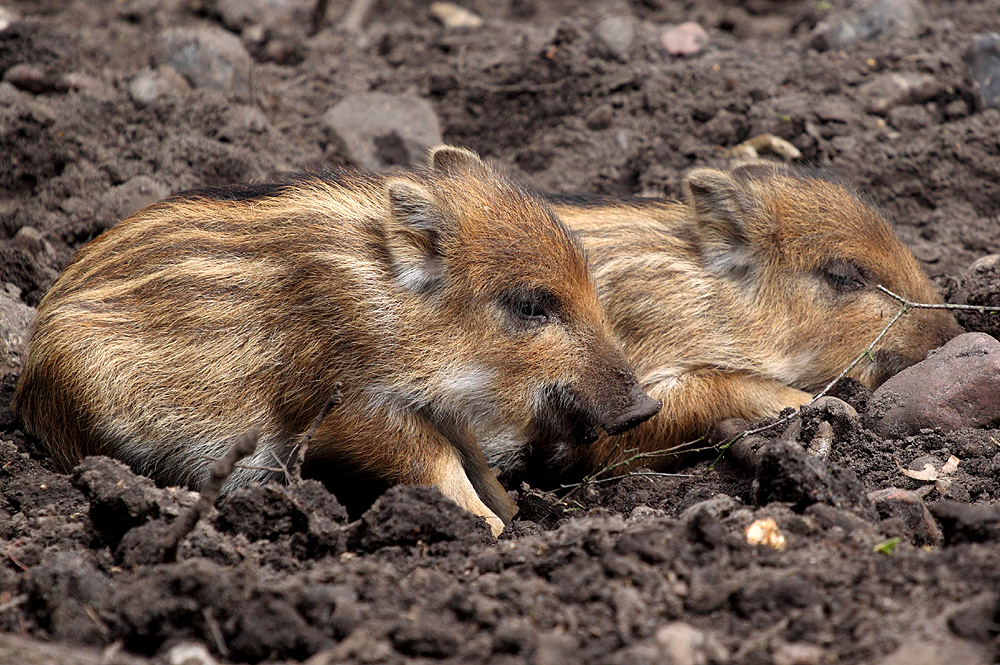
[843, 276]
[530, 309]
[533, 307]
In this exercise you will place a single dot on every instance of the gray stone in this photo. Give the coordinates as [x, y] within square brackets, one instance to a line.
[381, 130]
[15, 329]
[683, 644]
[617, 34]
[275, 14]
[957, 386]
[151, 84]
[8, 17]
[33, 79]
[719, 507]
[910, 117]
[885, 92]
[207, 57]
[983, 59]
[30, 239]
[131, 196]
[912, 512]
[917, 650]
[873, 20]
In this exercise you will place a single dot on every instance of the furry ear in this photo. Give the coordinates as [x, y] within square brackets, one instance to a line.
[449, 159]
[720, 208]
[414, 235]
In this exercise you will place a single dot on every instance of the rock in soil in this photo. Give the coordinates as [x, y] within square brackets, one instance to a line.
[207, 57]
[381, 130]
[983, 59]
[957, 386]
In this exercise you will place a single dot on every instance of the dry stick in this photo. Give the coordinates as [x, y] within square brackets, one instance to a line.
[906, 306]
[318, 16]
[621, 460]
[10, 554]
[245, 445]
[335, 399]
[354, 17]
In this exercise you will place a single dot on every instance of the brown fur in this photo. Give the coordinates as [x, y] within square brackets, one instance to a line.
[454, 308]
[749, 297]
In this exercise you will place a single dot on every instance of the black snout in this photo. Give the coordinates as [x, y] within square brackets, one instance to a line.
[642, 408]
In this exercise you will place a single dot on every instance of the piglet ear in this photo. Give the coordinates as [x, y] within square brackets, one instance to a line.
[721, 209]
[451, 160]
[415, 232]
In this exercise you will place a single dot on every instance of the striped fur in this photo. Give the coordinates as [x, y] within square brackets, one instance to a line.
[218, 310]
[748, 297]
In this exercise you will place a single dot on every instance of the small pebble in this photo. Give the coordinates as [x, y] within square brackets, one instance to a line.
[151, 84]
[207, 57]
[600, 118]
[797, 653]
[683, 644]
[983, 60]
[911, 510]
[684, 39]
[33, 79]
[7, 18]
[15, 329]
[880, 19]
[765, 532]
[453, 16]
[888, 91]
[190, 653]
[617, 33]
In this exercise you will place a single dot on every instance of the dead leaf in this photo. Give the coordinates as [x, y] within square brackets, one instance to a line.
[942, 485]
[927, 474]
[950, 466]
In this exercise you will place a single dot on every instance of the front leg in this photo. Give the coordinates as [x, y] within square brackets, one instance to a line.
[409, 449]
[692, 403]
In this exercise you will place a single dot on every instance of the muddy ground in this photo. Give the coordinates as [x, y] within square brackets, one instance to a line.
[635, 570]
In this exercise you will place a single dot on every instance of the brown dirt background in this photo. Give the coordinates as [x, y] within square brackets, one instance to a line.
[630, 571]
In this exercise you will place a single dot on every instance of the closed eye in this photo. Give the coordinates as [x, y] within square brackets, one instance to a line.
[843, 276]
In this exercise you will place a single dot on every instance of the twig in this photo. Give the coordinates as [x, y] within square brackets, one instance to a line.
[13, 602]
[630, 474]
[215, 631]
[282, 467]
[318, 16]
[335, 399]
[626, 457]
[354, 17]
[982, 309]
[10, 554]
[245, 445]
[905, 306]
[253, 467]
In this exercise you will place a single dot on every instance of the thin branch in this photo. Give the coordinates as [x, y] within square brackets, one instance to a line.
[905, 306]
[628, 456]
[10, 554]
[245, 445]
[317, 16]
[354, 17]
[13, 602]
[334, 400]
[982, 309]
[630, 474]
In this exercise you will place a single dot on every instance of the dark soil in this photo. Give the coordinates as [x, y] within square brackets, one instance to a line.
[635, 570]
